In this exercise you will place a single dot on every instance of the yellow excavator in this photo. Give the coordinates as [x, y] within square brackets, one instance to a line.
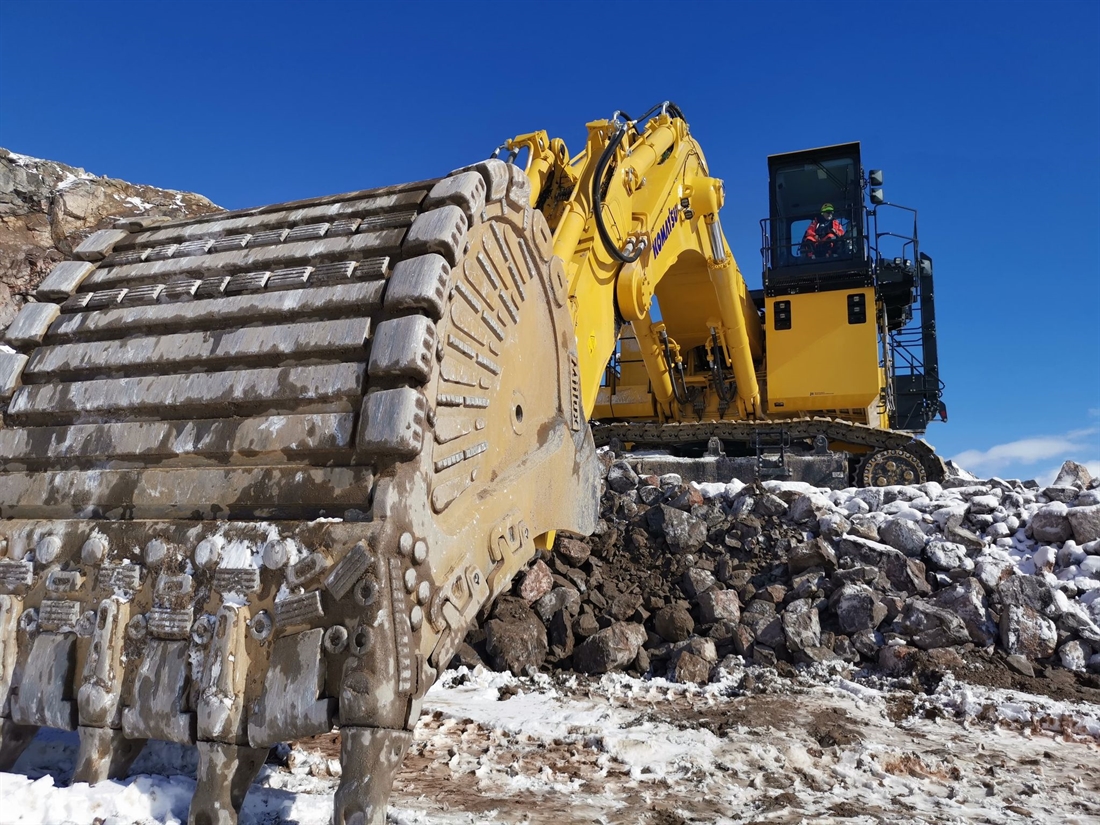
[262, 469]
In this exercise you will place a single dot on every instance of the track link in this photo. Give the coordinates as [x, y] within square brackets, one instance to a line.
[261, 469]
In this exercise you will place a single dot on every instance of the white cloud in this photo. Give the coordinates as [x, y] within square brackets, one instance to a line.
[1016, 456]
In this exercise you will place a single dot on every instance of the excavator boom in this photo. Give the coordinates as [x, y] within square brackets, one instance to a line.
[636, 214]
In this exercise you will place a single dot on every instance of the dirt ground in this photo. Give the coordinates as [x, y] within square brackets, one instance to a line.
[771, 750]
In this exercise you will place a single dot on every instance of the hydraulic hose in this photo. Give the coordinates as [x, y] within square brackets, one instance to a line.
[601, 168]
[597, 197]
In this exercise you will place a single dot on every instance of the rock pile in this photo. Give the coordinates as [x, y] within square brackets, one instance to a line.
[678, 576]
[47, 208]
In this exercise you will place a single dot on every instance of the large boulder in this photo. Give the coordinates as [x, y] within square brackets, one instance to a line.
[537, 582]
[984, 505]
[1085, 523]
[610, 649]
[1074, 655]
[932, 627]
[718, 606]
[621, 477]
[801, 627]
[1051, 524]
[771, 505]
[955, 531]
[572, 551]
[815, 553]
[897, 660]
[559, 631]
[687, 668]
[857, 608]
[903, 573]
[515, 639]
[809, 507]
[947, 556]
[761, 618]
[684, 532]
[904, 535]
[1031, 592]
[1073, 474]
[560, 598]
[992, 567]
[1026, 633]
[673, 623]
[696, 581]
[967, 601]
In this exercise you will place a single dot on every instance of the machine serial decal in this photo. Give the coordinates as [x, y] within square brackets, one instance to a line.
[663, 233]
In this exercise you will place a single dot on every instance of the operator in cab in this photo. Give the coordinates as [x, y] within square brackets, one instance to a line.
[822, 235]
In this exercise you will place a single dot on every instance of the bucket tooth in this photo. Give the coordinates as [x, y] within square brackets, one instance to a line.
[14, 739]
[225, 773]
[161, 686]
[45, 691]
[227, 765]
[104, 753]
[10, 609]
[291, 704]
[369, 760]
[379, 676]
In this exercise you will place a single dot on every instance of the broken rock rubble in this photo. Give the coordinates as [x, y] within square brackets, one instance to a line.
[678, 576]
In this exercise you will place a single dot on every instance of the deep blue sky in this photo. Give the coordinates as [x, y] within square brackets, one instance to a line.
[985, 117]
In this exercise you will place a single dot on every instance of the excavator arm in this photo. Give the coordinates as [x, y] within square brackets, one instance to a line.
[635, 215]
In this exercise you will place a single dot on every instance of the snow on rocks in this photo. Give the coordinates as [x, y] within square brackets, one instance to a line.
[1050, 523]
[857, 608]
[1026, 632]
[784, 572]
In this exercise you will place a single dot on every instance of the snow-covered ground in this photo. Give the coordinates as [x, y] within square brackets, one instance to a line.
[824, 746]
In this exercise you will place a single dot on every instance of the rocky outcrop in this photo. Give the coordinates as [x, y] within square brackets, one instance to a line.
[47, 208]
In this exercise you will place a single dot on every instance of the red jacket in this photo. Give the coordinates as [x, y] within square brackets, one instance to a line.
[820, 230]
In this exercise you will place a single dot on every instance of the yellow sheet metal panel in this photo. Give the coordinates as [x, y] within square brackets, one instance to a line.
[627, 402]
[822, 361]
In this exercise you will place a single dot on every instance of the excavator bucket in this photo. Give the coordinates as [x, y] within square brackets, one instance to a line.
[261, 470]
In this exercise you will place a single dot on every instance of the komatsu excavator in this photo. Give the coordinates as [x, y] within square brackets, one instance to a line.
[262, 469]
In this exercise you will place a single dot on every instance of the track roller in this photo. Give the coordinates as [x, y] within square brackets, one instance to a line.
[884, 468]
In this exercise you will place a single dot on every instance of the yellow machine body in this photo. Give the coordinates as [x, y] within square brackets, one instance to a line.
[823, 355]
[694, 346]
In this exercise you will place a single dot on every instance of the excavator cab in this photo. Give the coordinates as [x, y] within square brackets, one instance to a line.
[849, 310]
[817, 223]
